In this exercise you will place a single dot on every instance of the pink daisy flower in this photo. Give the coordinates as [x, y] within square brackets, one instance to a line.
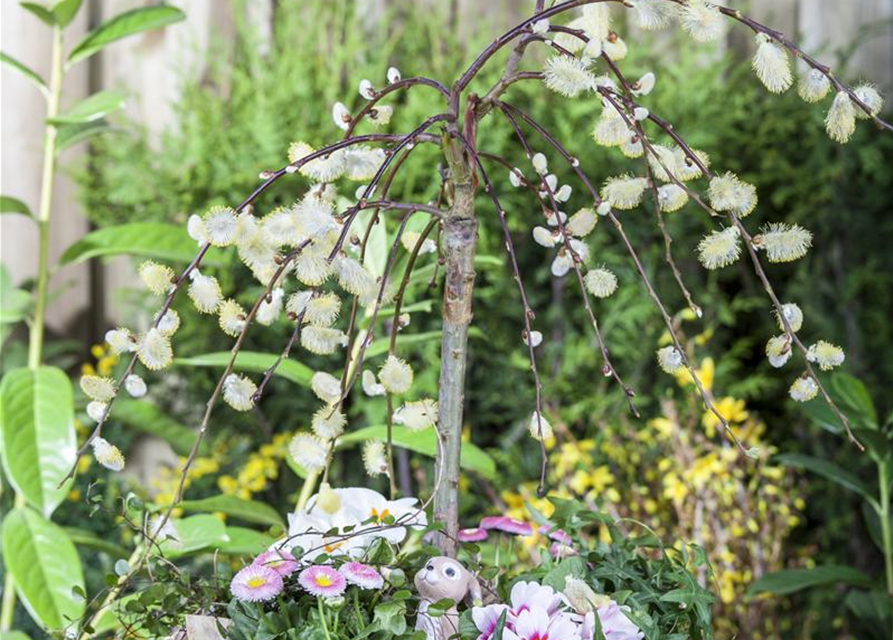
[558, 535]
[279, 560]
[362, 575]
[256, 583]
[506, 524]
[475, 534]
[322, 581]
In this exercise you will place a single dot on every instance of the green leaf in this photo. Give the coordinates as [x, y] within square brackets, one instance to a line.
[377, 245]
[147, 417]
[194, 534]
[381, 346]
[92, 108]
[39, 442]
[8, 204]
[793, 580]
[247, 510]
[424, 442]
[16, 635]
[850, 391]
[70, 134]
[26, 71]
[253, 362]
[126, 24]
[65, 11]
[245, 542]
[14, 303]
[45, 566]
[84, 538]
[830, 471]
[156, 240]
[42, 13]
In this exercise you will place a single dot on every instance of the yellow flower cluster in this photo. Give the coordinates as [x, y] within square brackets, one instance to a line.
[105, 362]
[683, 478]
[165, 484]
[261, 467]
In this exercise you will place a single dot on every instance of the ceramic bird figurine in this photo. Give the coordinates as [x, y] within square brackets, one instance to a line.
[441, 578]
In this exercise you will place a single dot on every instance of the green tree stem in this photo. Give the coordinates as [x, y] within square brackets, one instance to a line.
[35, 341]
[35, 346]
[886, 533]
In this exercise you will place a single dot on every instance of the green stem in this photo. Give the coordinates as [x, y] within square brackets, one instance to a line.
[322, 619]
[113, 593]
[35, 347]
[356, 603]
[35, 342]
[886, 533]
[306, 490]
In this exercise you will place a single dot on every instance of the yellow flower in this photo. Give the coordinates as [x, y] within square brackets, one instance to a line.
[734, 411]
[600, 478]
[704, 372]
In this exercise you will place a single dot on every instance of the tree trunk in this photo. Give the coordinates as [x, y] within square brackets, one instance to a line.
[458, 240]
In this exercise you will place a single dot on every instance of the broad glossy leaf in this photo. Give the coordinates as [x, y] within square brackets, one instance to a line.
[45, 566]
[850, 391]
[253, 362]
[65, 11]
[92, 108]
[793, 580]
[143, 239]
[194, 534]
[40, 11]
[37, 423]
[8, 204]
[245, 542]
[26, 71]
[125, 24]
[16, 635]
[148, 418]
[424, 442]
[248, 510]
[830, 471]
[70, 134]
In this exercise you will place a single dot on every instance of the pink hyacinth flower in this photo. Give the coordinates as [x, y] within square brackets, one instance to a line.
[508, 525]
[533, 595]
[279, 560]
[474, 534]
[362, 575]
[256, 583]
[486, 619]
[322, 581]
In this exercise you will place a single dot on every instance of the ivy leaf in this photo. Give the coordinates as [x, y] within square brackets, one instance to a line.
[26, 71]
[94, 107]
[125, 24]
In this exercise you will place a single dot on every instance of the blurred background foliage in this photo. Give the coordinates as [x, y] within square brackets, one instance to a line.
[670, 469]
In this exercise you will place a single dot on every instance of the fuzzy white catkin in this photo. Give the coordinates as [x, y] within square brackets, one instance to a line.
[793, 314]
[516, 177]
[729, 193]
[686, 168]
[366, 89]
[381, 115]
[540, 27]
[671, 197]
[651, 15]
[624, 192]
[803, 389]
[662, 161]
[135, 386]
[107, 454]
[394, 75]
[269, 310]
[204, 291]
[158, 278]
[232, 317]
[869, 95]
[770, 63]
[195, 228]
[323, 310]
[238, 392]
[581, 223]
[826, 355]
[840, 123]
[778, 350]
[326, 386]
[540, 164]
[601, 283]
[614, 47]
[564, 193]
[720, 248]
[354, 277]
[395, 375]
[120, 340]
[309, 451]
[371, 386]
[813, 86]
[341, 116]
[328, 423]
[375, 460]
[702, 20]
[544, 237]
[96, 410]
[154, 350]
[417, 415]
[362, 163]
[670, 359]
[98, 387]
[220, 225]
[610, 129]
[783, 242]
[644, 85]
[534, 340]
[169, 323]
[322, 340]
